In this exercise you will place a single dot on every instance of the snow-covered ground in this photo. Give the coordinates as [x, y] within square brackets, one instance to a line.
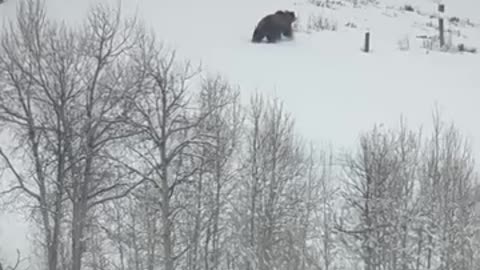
[331, 87]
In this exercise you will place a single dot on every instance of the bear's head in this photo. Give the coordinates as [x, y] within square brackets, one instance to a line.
[289, 15]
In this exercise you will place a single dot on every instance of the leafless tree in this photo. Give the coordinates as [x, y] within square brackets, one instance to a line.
[217, 170]
[448, 182]
[16, 265]
[409, 203]
[62, 96]
[164, 151]
[379, 194]
[321, 196]
[198, 201]
[274, 168]
[131, 230]
[254, 174]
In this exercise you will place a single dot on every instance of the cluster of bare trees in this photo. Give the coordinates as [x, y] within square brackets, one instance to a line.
[410, 201]
[127, 158]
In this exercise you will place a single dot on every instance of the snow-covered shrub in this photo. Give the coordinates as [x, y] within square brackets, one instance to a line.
[463, 48]
[408, 8]
[448, 45]
[454, 20]
[429, 42]
[296, 25]
[351, 25]
[359, 3]
[404, 44]
[332, 4]
[433, 44]
[317, 22]
[319, 3]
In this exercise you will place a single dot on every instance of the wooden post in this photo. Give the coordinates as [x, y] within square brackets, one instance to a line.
[366, 47]
[441, 9]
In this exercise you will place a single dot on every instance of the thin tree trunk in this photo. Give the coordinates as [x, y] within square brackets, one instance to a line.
[255, 179]
[81, 189]
[216, 219]
[79, 219]
[136, 255]
[196, 233]
[404, 247]
[207, 243]
[419, 249]
[165, 189]
[429, 252]
[63, 148]
[151, 242]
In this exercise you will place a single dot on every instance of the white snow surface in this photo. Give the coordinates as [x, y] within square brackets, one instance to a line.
[332, 88]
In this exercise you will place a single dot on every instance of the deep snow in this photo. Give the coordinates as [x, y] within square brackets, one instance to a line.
[333, 90]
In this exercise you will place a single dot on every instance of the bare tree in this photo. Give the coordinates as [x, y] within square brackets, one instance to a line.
[448, 182]
[254, 175]
[16, 265]
[131, 226]
[274, 165]
[165, 150]
[379, 198]
[23, 97]
[217, 170]
[409, 203]
[62, 96]
[201, 179]
[321, 195]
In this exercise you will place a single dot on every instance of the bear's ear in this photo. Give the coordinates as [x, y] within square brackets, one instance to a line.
[291, 14]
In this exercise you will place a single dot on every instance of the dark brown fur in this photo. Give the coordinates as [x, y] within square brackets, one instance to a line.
[274, 25]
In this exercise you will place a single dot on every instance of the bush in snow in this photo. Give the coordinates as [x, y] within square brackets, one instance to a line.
[326, 3]
[433, 44]
[351, 25]
[463, 48]
[317, 22]
[408, 8]
[359, 3]
[296, 26]
[404, 44]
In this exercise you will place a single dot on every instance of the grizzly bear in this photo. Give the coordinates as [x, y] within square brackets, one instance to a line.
[273, 26]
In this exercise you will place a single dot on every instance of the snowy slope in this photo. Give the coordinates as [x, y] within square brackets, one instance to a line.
[323, 77]
[333, 90]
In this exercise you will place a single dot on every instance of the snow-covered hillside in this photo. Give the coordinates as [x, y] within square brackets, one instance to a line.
[332, 88]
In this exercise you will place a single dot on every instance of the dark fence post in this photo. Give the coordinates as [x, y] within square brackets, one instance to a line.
[366, 47]
[441, 9]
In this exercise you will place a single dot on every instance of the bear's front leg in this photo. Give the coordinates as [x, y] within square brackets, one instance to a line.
[273, 37]
[288, 33]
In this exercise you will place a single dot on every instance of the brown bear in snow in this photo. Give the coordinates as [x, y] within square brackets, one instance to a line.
[274, 25]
